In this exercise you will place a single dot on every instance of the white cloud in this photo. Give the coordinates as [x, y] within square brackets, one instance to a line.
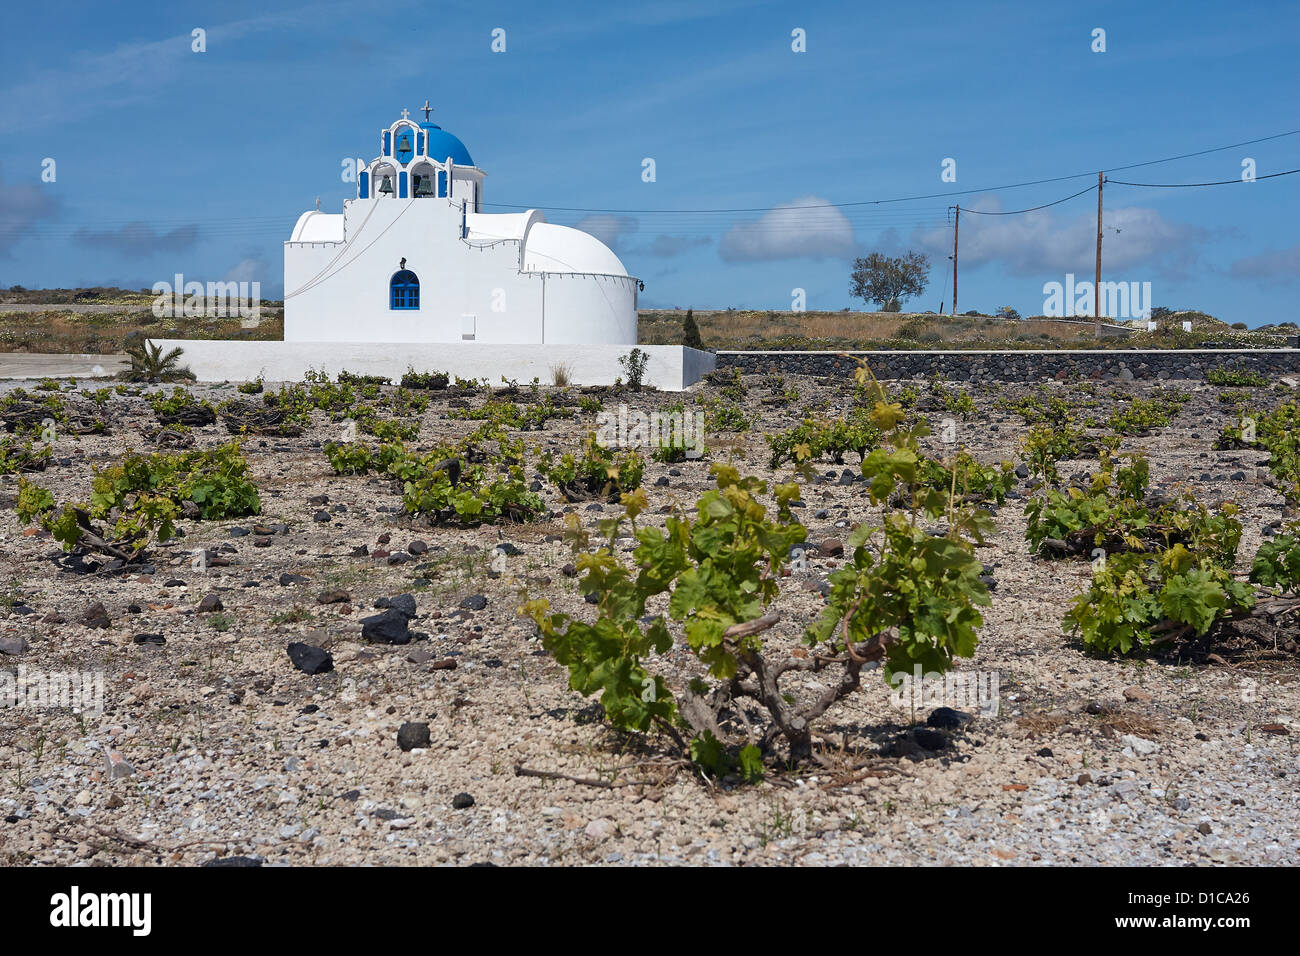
[609, 229]
[808, 227]
[253, 268]
[138, 238]
[23, 207]
[665, 247]
[1280, 265]
[1043, 242]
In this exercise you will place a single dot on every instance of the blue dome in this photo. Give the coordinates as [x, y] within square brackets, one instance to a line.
[442, 144]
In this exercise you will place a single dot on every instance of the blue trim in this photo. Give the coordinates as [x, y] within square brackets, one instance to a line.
[419, 143]
[404, 290]
[442, 182]
[401, 185]
[388, 143]
[363, 185]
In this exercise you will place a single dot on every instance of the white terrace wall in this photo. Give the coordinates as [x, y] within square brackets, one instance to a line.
[670, 367]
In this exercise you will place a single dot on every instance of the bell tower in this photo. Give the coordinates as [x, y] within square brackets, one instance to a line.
[421, 161]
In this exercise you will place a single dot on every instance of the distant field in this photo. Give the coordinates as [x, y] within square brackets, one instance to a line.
[109, 327]
[736, 329]
[104, 321]
[751, 330]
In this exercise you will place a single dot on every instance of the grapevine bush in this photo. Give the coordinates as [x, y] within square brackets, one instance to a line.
[907, 597]
[1135, 601]
[817, 438]
[452, 483]
[182, 407]
[1114, 514]
[19, 456]
[595, 472]
[1277, 564]
[138, 500]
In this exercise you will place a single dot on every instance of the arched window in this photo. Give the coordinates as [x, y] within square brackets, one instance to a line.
[404, 290]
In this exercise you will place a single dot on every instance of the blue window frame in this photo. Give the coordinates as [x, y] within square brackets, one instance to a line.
[404, 290]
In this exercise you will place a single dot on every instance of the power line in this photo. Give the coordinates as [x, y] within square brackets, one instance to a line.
[873, 202]
[1120, 182]
[1221, 182]
[1017, 212]
[687, 222]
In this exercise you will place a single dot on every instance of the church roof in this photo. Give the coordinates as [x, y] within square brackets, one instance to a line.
[443, 144]
[552, 248]
[316, 226]
[547, 247]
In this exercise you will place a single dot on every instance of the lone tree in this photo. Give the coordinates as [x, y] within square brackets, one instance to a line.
[887, 280]
[691, 332]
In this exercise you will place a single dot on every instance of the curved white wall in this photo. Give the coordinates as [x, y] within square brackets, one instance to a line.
[591, 309]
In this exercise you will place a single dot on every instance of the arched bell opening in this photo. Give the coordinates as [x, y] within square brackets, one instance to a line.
[424, 180]
[383, 181]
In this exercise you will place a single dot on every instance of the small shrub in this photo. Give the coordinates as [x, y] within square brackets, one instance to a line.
[347, 378]
[433, 381]
[1237, 377]
[634, 364]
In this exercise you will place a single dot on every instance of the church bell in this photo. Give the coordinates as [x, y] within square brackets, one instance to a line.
[386, 186]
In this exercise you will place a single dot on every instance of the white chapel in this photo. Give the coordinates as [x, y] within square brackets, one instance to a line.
[414, 259]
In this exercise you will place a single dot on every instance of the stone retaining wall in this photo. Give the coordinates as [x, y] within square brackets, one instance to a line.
[1024, 366]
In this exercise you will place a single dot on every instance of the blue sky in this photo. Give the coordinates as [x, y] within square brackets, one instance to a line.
[174, 161]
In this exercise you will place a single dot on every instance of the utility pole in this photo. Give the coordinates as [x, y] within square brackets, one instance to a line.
[956, 222]
[1096, 288]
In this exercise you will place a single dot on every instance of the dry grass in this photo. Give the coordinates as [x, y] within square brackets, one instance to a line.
[106, 333]
[1127, 722]
[1040, 723]
[832, 330]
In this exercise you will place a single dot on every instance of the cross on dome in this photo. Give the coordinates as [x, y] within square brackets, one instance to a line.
[427, 109]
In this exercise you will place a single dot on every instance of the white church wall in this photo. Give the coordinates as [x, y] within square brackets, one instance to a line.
[349, 300]
[351, 304]
[670, 367]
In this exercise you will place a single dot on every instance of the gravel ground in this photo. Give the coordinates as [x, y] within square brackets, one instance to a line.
[212, 746]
